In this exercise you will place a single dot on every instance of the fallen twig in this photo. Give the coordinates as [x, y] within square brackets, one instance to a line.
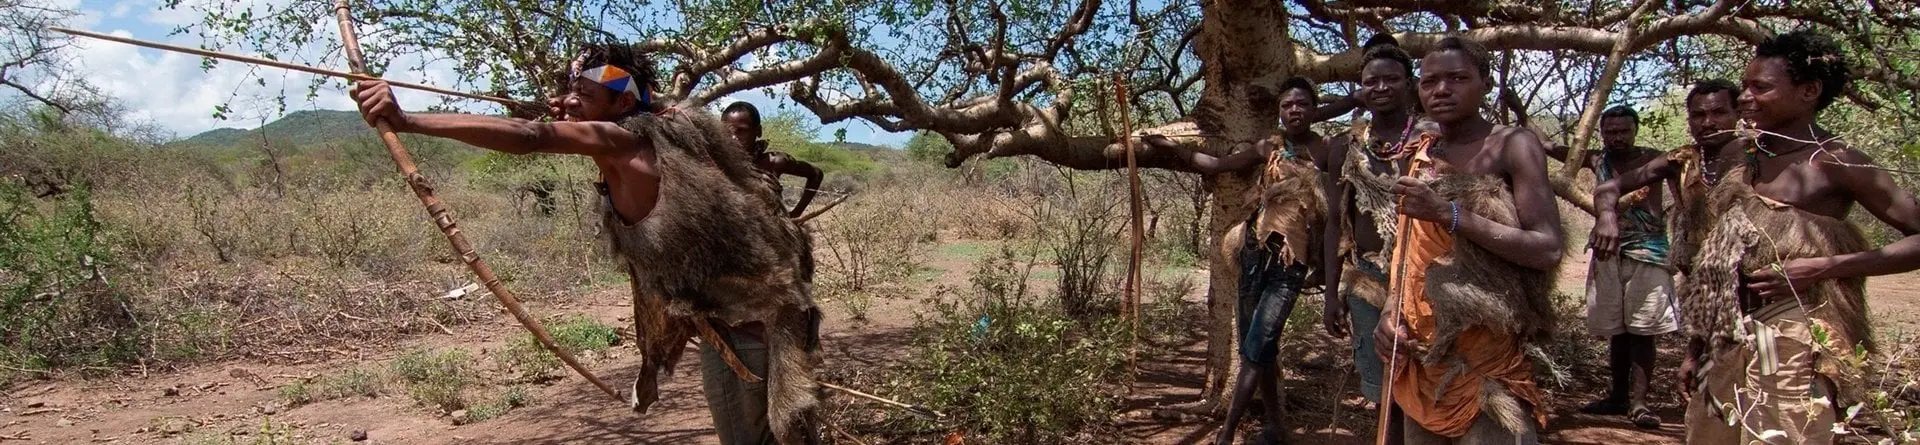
[38, 371]
[16, 436]
[849, 436]
[41, 411]
[460, 292]
[443, 328]
[309, 351]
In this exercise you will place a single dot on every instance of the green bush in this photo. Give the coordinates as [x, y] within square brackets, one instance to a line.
[350, 383]
[56, 309]
[576, 334]
[514, 397]
[1008, 369]
[437, 379]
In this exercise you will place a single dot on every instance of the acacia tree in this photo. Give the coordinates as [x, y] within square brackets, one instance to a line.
[1034, 78]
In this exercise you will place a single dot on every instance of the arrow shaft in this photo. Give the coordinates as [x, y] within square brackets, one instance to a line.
[276, 64]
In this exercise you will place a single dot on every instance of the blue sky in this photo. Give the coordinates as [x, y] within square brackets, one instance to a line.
[173, 92]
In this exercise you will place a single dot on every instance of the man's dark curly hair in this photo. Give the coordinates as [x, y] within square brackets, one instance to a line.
[1482, 59]
[1303, 84]
[1810, 57]
[1384, 46]
[1711, 86]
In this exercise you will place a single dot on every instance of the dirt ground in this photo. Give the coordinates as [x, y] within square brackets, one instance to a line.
[239, 400]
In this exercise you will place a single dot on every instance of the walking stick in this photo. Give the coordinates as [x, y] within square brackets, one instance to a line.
[442, 217]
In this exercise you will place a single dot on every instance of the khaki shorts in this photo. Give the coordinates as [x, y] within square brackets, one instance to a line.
[1629, 297]
[1777, 402]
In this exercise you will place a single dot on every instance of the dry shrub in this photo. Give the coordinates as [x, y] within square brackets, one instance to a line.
[1081, 228]
[380, 231]
[870, 246]
[303, 311]
[536, 252]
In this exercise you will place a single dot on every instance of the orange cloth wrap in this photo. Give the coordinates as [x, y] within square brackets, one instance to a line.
[1448, 411]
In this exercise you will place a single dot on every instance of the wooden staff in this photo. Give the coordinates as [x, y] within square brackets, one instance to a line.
[1130, 305]
[442, 217]
[278, 64]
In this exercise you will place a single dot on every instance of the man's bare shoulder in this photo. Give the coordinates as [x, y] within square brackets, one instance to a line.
[1838, 158]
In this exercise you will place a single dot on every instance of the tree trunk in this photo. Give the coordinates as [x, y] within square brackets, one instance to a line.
[1245, 53]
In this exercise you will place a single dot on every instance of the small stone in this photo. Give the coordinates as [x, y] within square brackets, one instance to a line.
[64, 422]
[269, 410]
[460, 417]
[175, 426]
[358, 436]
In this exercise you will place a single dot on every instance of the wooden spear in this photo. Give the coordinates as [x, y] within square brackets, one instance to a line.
[278, 64]
[442, 217]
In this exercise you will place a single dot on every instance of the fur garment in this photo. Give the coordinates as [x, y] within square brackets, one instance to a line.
[1754, 233]
[1471, 286]
[716, 245]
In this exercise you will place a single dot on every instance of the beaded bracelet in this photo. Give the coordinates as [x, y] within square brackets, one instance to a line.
[1456, 216]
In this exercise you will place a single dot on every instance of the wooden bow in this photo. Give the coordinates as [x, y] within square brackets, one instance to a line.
[443, 218]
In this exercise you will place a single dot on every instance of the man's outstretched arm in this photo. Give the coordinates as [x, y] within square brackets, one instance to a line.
[495, 133]
[790, 166]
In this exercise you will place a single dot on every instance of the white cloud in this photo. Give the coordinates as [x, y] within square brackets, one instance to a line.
[121, 9]
[172, 91]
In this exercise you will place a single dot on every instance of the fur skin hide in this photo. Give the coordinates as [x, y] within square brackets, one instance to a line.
[717, 246]
[1295, 205]
[1753, 233]
[1471, 286]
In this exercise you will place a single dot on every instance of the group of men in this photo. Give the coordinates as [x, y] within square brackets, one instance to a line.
[1435, 236]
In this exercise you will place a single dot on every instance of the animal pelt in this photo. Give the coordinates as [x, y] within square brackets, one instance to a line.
[1754, 233]
[716, 245]
[1353, 281]
[1293, 205]
[1688, 220]
[1372, 197]
[1498, 403]
[1470, 286]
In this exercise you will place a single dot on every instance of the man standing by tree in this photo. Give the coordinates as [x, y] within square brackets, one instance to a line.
[1629, 296]
[743, 121]
[1477, 242]
[610, 91]
[1776, 303]
[1360, 215]
[1273, 247]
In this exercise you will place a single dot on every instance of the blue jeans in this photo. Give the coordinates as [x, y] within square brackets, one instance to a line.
[1365, 317]
[1263, 313]
[1366, 361]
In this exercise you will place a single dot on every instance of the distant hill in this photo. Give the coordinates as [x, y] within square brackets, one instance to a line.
[314, 126]
[301, 127]
[856, 146]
